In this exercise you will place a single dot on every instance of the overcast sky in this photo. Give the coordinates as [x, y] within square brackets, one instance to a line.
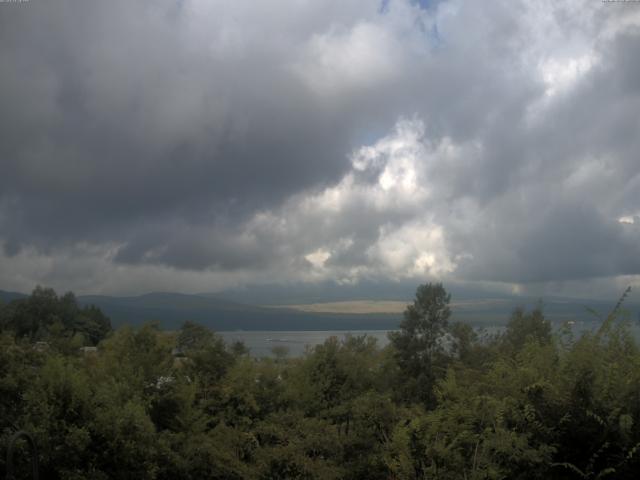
[197, 145]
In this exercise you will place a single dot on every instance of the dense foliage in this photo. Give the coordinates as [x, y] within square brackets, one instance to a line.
[43, 316]
[439, 402]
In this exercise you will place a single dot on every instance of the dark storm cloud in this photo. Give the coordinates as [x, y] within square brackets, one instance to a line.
[576, 173]
[113, 113]
[222, 137]
[565, 242]
[191, 247]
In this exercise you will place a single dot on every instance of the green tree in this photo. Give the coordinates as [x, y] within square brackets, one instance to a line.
[419, 341]
[524, 327]
[193, 336]
[464, 341]
[208, 358]
[45, 316]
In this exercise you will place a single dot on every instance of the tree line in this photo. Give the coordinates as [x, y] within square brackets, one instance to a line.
[439, 402]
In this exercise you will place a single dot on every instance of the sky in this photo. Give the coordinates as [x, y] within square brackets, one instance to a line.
[202, 145]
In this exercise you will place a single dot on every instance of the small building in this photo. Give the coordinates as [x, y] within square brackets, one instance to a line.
[89, 350]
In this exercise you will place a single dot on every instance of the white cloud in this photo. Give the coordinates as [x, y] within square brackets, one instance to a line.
[339, 60]
[386, 195]
[417, 249]
[559, 74]
[318, 258]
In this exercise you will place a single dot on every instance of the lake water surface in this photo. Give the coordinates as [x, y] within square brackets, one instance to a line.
[261, 343]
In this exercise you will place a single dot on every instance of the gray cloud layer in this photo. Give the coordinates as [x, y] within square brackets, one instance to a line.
[198, 144]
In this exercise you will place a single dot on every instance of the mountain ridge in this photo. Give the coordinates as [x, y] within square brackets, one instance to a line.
[171, 309]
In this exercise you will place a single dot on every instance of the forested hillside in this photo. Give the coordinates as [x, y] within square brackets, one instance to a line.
[440, 402]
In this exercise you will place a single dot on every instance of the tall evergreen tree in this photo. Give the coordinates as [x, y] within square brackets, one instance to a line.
[419, 340]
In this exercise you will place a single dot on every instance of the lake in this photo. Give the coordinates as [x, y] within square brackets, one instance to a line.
[261, 343]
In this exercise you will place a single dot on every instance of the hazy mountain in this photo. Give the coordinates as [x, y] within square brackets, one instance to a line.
[171, 309]
[6, 297]
[303, 310]
[329, 291]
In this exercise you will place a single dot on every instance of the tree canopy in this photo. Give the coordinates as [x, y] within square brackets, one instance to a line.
[45, 316]
[527, 403]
